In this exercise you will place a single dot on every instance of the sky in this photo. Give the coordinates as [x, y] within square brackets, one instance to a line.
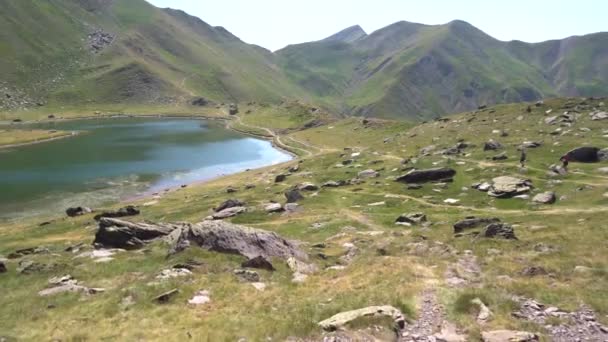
[275, 24]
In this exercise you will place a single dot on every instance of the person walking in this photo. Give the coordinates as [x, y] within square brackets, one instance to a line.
[523, 157]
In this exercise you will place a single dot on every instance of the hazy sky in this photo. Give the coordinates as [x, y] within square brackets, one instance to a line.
[274, 24]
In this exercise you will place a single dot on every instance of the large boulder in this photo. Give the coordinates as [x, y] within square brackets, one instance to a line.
[428, 175]
[584, 154]
[473, 222]
[602, 155]
[115, 233]
[506, 186]
[122, 212]
[339, 320]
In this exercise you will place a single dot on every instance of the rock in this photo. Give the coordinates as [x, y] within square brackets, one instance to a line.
[415, 218]
[602, 155]
[3, 268]
[414, 186]
[259, 286]
[533, 271]
[368, 174]
[233, 109]
[231, 190]
[339, 320]
[273, 208]
[334, 184]
[428, 175]
[451, 201]
[603, 170]
[499, 230]
[291, 208]
[294, 168]
[293, 196]
[173, 273]
[199, 101]
[531, 144]
[122, 212]
[115, 233]
[227, 213]
[427, 150]
[484, 312]
[506, 186]
[28, 251]
[30, 267]
[582, 269]
[78, 211]
[501, 156]
[247, 275]
[508, 336]
[584, 155]
[485, 186]
[230, 203]
[599, 115]
[258, 262]
[492, 145]
[545, 198]
[280, 178]
[166, 296]
[308, 187]
[473, 222]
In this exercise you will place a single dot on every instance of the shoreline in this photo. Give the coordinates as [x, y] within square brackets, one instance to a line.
[41, 141]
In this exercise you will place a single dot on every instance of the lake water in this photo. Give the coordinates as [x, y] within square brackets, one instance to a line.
[121, 158]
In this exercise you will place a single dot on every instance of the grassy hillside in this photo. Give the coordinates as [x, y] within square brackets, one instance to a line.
[419, 71]
[149, 56]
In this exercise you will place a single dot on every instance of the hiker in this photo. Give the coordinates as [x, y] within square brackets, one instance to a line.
[565, 160]
[522, 158]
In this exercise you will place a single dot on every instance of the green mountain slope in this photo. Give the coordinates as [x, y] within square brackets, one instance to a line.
[73, 52]
[420, 71]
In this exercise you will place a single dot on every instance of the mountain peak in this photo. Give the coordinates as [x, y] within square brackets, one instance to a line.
[347, 35]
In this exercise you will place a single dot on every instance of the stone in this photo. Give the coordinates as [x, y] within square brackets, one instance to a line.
[368, 174]
[78, 211]
[122, 212]
[165, 297]
[293, 196]
[280, 178]
[3, 268]
[339, 320]
[506, 186]
[233, 109]
[508, 336]
[584, 154]
[291, 208]
[492, 145]
[308, 187]
[533, 271]
[582, 269]
[273, 208]
[258, 262]
[485, 186]
[334, 184]
[259, 286]
[531, 144]
[28, 251]
[414, 218]
[602, 155]
[484, 314]
[414, 186]
[247, 275]
[473, 222]
[230, 203]
[428, 175]
[294, 168]
[30, 267]
[603, 170]
[199, 101]
[599, 115]
[499, 230]
[173, 273]
[500, 156]
[227, 213]
[115, 233]
[545, 198]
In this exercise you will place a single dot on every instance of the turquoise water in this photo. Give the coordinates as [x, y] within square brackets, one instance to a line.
[121, 158]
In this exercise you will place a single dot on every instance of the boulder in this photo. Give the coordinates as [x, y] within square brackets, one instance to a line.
[247, 275]
[599, 115]
[428, 175]
[293, 196]
[233, 109]
[231, 203]
[473, 222]
[308, 187]
[115, 233]
[273, 208]
[165, 297]
[280, 178]
[602, 155]
[499, 230]
[258, 262]
[508, 336]
[368, 174]
[227, 213]
[584, 154]
[200, 298]
[506, 186]
[199, 101]
[500, 156]
[484, 314]
[414, 218]
[78, 211]
[545, 198]
[334, 184]
[122, 212]
[339, 320]
[492, 145]
[3, 268]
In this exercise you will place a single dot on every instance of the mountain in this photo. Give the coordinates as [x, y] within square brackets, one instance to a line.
[74, 52]
[421, 71]
[348, 35]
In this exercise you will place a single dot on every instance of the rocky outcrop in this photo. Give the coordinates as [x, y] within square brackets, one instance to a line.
[428, 175]
[122, 212]
[339, 320]
[115, 233]
[506, 186]
[3, 268]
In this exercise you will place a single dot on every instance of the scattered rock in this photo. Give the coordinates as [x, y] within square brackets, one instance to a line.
[28, 251]
[531, 144]
[122, 212]
[499, 230]
[465, 272]
[582, 269]
[199, 101]
[173, 273]
[273, 208]
[484, 314]
[492, 145]
[308, 187]
[78, 211]
[230, 203]
[500, 156]
[334, 184]
[259, 286]
[300, 269]
[247, 275]
[508, 336]
[506, 186]
[227, 213]
[280, 178]
[429, 175]
[485, 186]
[414, 219]
[368, 174]
[258, 262]
[293, 196]
[166, 296]
[584, 155]
[233, 109]
[473, 222]
[339, 320]
[545, 198]
[598, 115]
[115, 233]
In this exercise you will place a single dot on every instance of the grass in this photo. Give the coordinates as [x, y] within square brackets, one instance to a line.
[573, 228]
[9, 137]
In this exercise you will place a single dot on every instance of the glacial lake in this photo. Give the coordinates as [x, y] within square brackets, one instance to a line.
[120, 158]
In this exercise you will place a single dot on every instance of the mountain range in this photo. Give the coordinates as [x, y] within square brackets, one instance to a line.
[97, 52]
